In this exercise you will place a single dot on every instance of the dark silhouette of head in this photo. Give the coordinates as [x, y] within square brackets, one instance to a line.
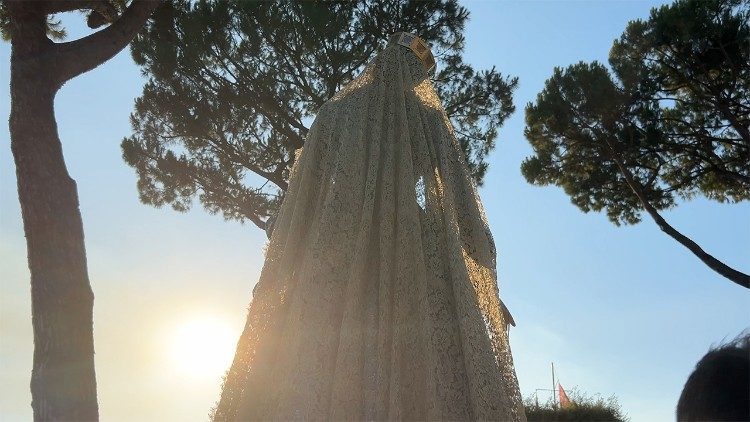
[719, 387]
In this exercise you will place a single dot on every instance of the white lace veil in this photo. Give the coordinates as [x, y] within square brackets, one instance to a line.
[378, 298]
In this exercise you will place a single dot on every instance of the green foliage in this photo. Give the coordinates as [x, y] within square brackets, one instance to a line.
[233, 87]
[584, 408]
[675, 109]
[98, 13]
[55, 31]
[4, 22]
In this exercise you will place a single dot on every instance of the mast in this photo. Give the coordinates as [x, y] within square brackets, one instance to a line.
[554, 396]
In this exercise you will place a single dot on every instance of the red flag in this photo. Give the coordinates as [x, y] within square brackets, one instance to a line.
[564, 400]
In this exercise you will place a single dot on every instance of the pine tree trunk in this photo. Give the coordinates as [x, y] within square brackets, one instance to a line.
[63, 383]
[725, 270]
[63, 380]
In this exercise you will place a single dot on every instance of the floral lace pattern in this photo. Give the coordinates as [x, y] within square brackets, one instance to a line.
[378, 299]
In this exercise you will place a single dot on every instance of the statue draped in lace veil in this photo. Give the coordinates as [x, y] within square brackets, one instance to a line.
[378, 299]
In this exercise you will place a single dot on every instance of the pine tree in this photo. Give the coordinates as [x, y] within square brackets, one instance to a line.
[233, 87]
[63, 382]
[670, 120]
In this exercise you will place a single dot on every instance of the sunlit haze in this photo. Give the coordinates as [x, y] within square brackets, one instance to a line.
[201, 346]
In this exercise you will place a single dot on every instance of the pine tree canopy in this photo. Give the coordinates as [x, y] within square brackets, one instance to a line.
[673, 107]
[233, 86]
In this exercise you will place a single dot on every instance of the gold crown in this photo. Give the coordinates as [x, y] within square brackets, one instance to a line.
[418, 46]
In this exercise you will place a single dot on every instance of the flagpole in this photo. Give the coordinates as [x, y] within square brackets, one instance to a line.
[554, 399]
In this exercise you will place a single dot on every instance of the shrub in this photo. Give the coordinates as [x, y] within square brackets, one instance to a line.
[583, 408]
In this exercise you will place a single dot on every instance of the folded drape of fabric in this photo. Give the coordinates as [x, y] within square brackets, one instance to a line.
[378, 299]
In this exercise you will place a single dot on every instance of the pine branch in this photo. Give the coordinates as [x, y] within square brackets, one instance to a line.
[79, 56]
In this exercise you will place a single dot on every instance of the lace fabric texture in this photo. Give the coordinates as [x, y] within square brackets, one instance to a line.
[378, 299]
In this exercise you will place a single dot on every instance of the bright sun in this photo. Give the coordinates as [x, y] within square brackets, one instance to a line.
[202, 347]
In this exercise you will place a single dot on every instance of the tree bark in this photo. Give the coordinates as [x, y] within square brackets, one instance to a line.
[730, 273]
[63, 380]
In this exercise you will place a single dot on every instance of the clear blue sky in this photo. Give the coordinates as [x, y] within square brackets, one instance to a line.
[624, 311]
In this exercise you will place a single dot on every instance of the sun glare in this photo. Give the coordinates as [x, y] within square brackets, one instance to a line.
[202, 347]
